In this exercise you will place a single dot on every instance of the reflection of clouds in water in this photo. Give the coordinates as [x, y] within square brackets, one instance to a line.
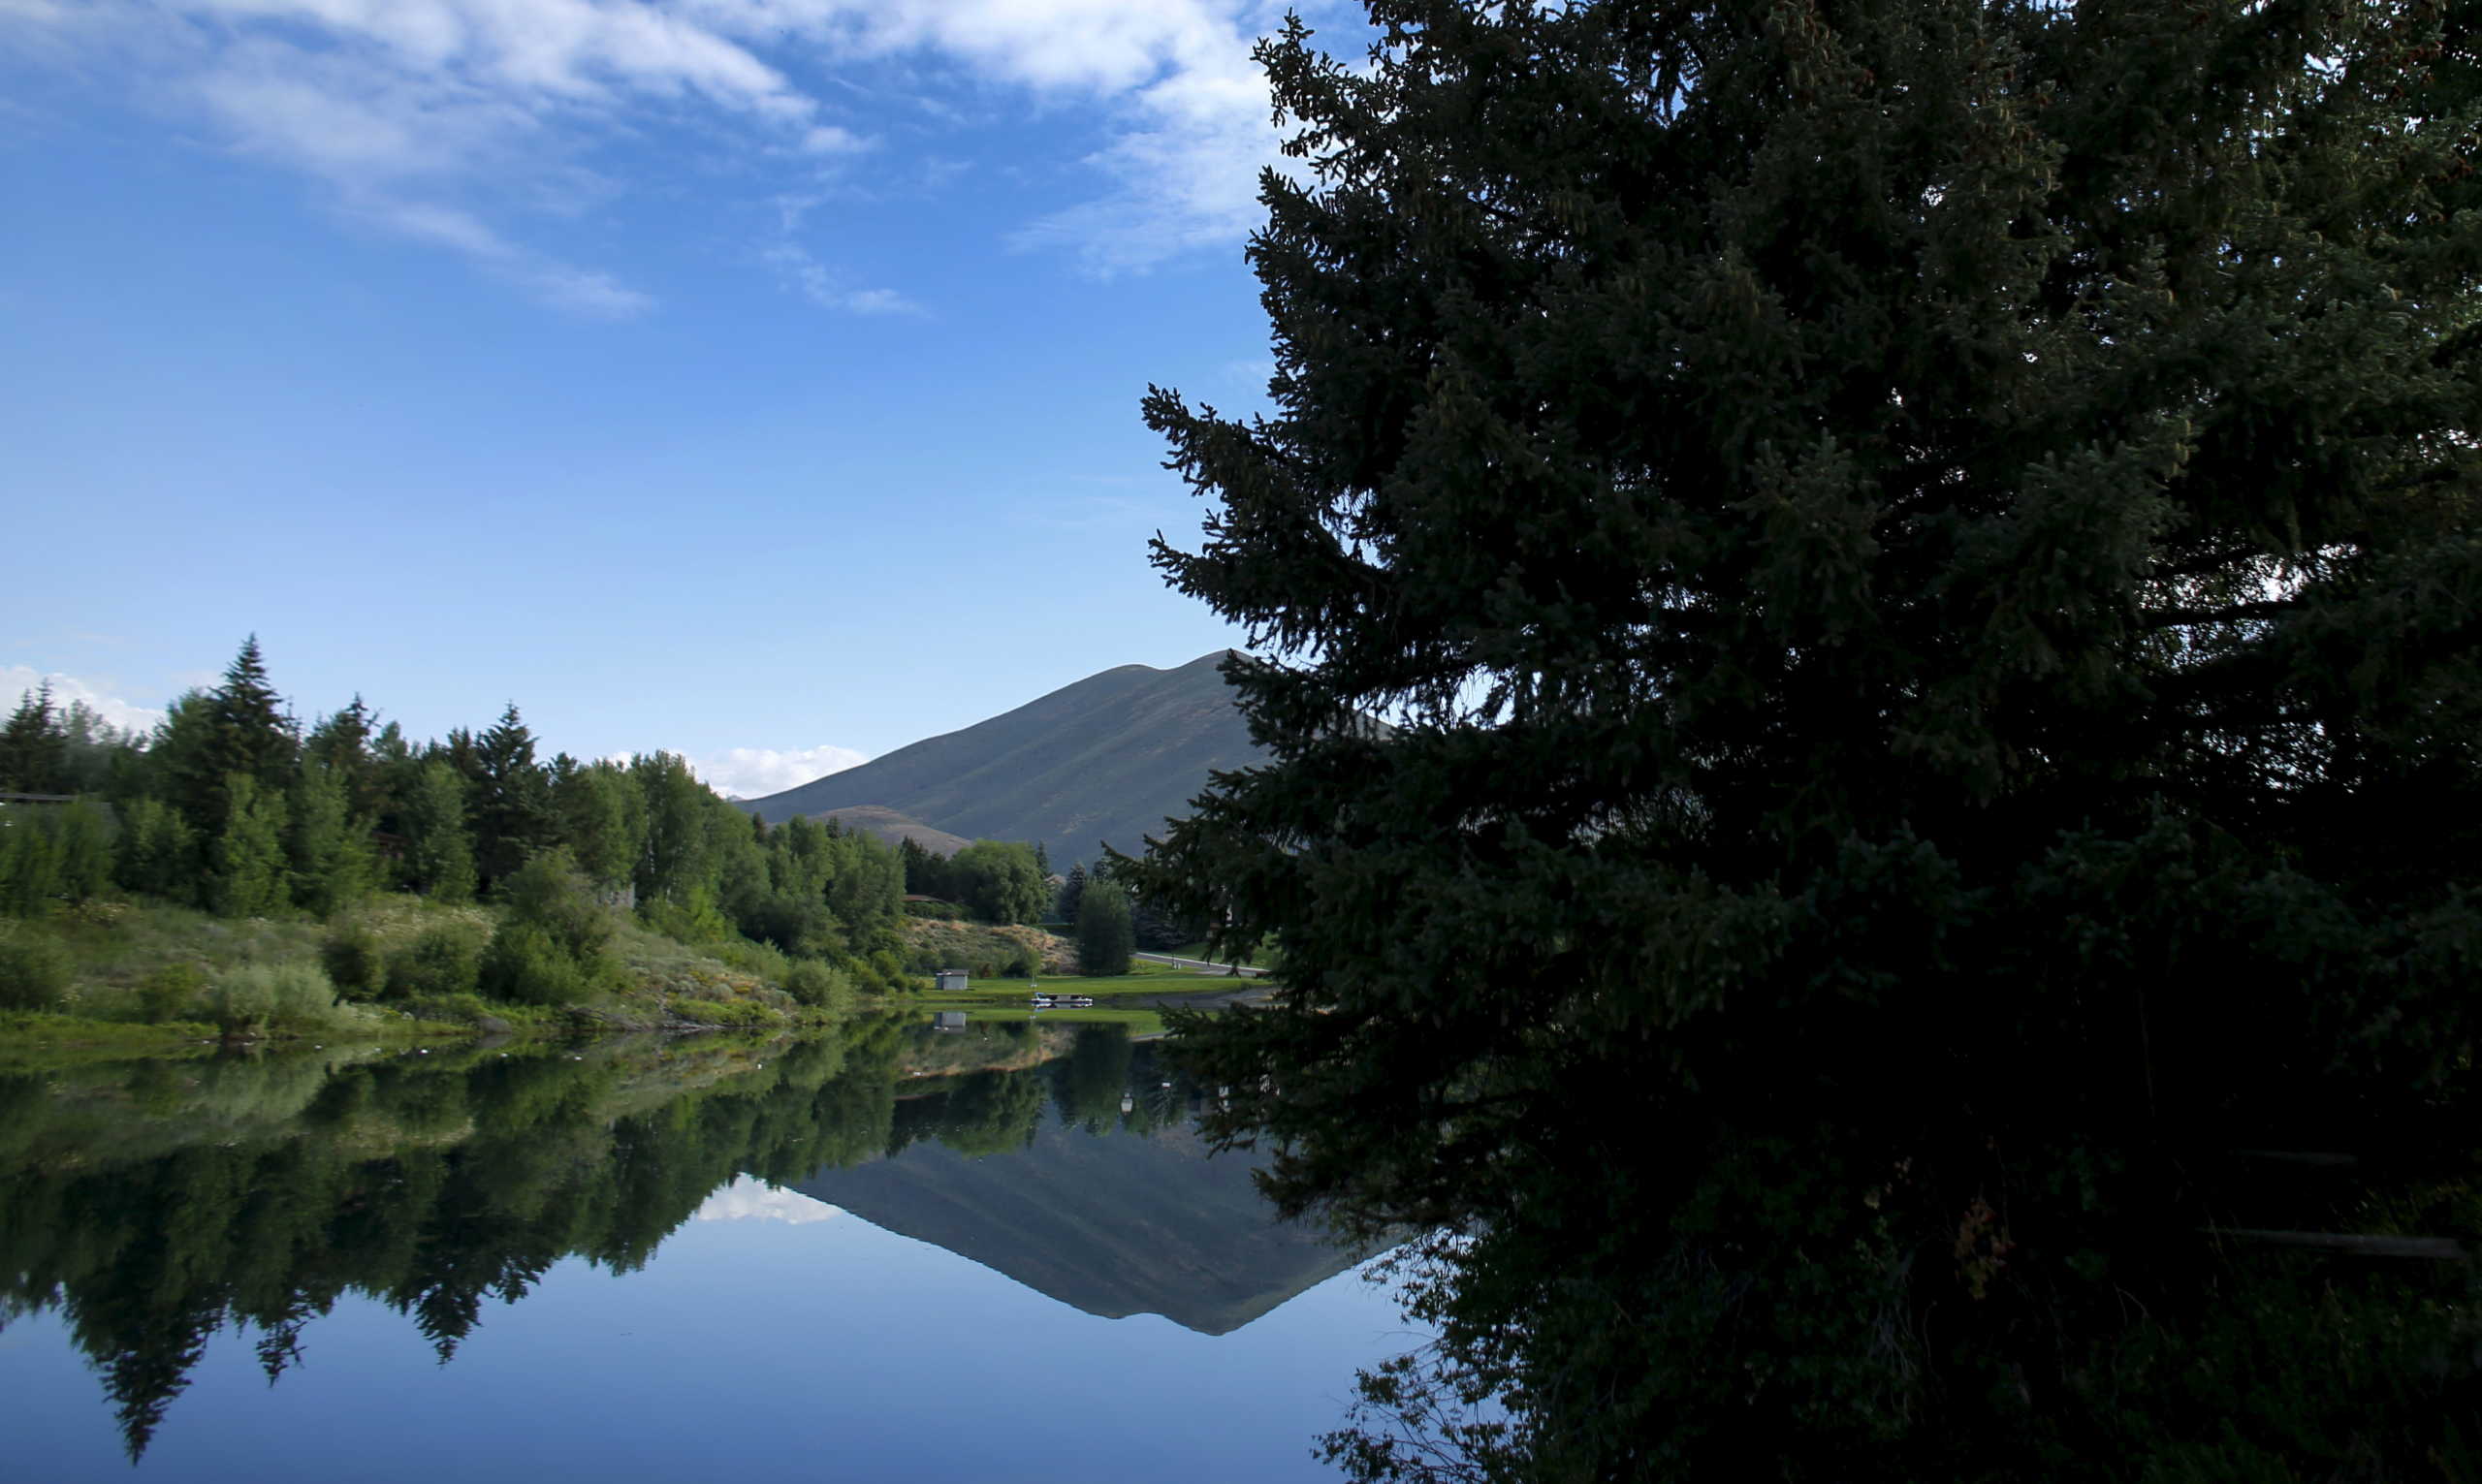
[756, 1200]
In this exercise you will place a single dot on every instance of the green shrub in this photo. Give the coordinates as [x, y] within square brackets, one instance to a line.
[168, 992]
[34, 973]
[694, 921]
[754, 958]
[354, 961]
[549, 892]
[887, 973]
[820, 986]
[260, 998]
[470, 1009]
[446, 961]
[938, 911]
[528, 964]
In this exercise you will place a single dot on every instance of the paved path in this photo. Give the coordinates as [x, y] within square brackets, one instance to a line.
[1202, 966]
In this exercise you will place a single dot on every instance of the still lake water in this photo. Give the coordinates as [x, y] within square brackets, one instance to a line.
[889, 1254]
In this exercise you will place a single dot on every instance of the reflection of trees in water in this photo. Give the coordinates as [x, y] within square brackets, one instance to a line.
[1622, 1290]
[155, 1204]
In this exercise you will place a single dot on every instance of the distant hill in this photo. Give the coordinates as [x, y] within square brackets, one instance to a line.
[891, 827]
[1108, 758]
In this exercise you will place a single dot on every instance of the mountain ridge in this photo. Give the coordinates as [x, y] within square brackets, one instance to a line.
[1106, 758]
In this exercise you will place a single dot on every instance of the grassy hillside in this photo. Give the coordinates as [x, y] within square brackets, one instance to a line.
[1108, 758]
[890, 826]
[150, 972]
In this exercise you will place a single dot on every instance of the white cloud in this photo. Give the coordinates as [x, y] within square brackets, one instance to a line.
[755, 772]
[1187, 169]
[754, 1200]
[579, 291]
[446, 119]
[805, 274]
[835, 139]
[17, 679]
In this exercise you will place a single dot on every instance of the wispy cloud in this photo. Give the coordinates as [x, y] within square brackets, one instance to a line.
[755, 772]
[806, 275]
[449, 120]
[559, 285]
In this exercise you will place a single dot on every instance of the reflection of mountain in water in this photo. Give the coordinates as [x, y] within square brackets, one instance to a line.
[1115, 1223]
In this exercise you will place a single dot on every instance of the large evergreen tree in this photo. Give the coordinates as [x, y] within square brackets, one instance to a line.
[344, 742]
[1921, 554]
[238, 730]
[512, 807]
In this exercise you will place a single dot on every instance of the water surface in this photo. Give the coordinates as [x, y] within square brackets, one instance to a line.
[891, 1253]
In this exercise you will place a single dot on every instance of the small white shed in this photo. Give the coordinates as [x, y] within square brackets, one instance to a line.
[948, 979]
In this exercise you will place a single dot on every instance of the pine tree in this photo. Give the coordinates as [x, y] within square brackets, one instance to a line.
[250, 874]
[917, 862]
[512, 807]
[34, 745]
[239, 729]
[1072, 892]
[1916, 555]
[157, 853]
[343, 743]
[329, 848]
[252, 733]
[439, 848]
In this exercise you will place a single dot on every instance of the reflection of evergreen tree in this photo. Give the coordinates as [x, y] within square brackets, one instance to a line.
[248, 1192]
[1087, 1084]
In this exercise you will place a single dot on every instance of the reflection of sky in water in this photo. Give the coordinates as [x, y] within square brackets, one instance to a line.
[762, 1340]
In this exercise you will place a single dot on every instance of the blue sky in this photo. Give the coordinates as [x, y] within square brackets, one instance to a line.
[755, 379]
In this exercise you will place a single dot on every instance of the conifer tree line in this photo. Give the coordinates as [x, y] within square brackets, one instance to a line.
[232, 805]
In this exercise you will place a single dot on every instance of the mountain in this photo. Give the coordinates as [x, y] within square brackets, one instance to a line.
[1108, 758]
[891, 827]
[1115, 1223]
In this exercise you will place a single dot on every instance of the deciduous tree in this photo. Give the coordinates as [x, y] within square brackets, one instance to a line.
[1103, 937]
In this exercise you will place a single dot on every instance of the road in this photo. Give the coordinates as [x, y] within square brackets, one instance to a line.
[1201, 966]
